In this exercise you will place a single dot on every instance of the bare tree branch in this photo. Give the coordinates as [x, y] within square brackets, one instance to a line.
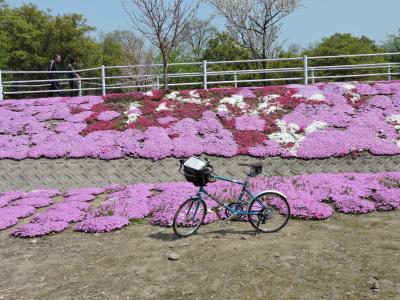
[256, 22]
[163, 23]
[198, 35]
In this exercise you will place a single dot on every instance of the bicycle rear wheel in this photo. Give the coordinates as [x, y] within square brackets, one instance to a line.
[189, 217]
[269, 212]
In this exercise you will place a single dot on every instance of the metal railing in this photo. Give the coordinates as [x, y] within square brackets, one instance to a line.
[106, 79]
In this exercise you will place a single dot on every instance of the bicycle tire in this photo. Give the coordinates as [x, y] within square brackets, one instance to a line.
[177, 222]
[278, 204]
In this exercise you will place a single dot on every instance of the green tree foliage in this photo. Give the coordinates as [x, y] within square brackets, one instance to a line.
[345, 43]
[30, 37]
[392, 44]
[225, 47]
[111, 48]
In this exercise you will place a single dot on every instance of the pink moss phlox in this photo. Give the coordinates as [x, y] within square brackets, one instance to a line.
[102, 224]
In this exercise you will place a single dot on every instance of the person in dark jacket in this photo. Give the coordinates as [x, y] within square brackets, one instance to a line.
[73, 83]
[53, 75]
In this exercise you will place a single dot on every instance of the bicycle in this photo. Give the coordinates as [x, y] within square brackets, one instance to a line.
[265, 209]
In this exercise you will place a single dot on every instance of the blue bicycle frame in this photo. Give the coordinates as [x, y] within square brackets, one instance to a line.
[244, 192]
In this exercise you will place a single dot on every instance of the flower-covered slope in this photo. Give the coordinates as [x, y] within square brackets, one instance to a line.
[112, 207]
[317, 121]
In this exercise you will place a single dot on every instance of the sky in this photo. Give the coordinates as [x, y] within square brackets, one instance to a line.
[315, 20]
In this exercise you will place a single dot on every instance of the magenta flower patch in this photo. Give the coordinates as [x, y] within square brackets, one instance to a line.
[246, 122]
[311, 197]
[37, 202]
[314, 121]
[18, 211]
[108, 115]
[66, 212]
[39, 229]
[102, 224]
[8, 197]
[7, 221]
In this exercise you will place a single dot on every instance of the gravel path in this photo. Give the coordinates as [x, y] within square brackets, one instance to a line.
[345, 257]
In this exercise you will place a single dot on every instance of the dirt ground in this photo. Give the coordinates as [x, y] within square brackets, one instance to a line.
[333, 259]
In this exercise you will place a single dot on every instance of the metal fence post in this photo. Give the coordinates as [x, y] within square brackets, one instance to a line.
[158, 83]
[389, 72]
[313, 75]
[236, 83]
[305, 59]
[205, 74]
[80, 87]
[103, 80]
[1, 88]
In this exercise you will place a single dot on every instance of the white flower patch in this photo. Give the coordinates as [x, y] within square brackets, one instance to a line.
[297, 96]
[317, 97]
[222, 108]
[265, 105]
[134, 105]
[133, 112]
[235, 100]
[194, 94]
[172, 96]
[162, 107]
[191, 100]
[195, 98]
[148, 93]
[394, 120]
[349, 87]
[269, 98]
[354, 97]
[254, 112]
[316, 126]
[272, 109]
[288, 135]
[132, 117]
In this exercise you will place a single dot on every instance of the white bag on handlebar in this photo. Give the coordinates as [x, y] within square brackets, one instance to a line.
[195, 164]
[196, 171]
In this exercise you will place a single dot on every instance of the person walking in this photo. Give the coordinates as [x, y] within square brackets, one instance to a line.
[74, 76]
[54, 75]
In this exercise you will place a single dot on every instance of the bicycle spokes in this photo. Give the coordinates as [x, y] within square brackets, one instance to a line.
[189, 217]
[269, 212]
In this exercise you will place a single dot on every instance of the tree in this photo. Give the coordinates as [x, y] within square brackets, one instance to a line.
[163, 23]
[125, 48]
[199, 33]
[345, 43]
[5, 41]
[256, 22]
[224, 47]
[31, 37]
[111, 48]
[392, 44]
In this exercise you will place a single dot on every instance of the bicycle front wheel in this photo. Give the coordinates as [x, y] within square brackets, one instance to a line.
[189, 217]
[269, 212]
